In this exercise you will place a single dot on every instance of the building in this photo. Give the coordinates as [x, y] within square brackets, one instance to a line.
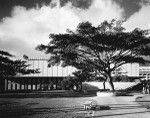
[144, 71]
[135, 70]
[132, 70]
[50, 78]
[54, 71]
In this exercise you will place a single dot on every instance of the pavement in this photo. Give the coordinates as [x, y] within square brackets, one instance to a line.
[120, 107]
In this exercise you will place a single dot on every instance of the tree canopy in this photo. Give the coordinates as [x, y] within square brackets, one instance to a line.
[99, 50]
[12, 67]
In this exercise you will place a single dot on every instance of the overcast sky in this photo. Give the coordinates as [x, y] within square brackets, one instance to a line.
[26, 23]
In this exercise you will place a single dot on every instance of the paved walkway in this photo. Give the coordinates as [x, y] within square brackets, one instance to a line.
[121, 107]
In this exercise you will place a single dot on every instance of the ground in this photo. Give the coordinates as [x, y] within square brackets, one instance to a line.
[120, 107]
[144, 101]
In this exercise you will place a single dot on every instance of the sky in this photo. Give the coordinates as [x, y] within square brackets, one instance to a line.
[24, 24]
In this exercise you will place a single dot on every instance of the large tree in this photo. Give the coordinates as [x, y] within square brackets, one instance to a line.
[11, 67]
[99, 50]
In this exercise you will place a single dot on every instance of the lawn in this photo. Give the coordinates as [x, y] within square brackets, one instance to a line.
[42, 107]
[72, 107]
[123, 107]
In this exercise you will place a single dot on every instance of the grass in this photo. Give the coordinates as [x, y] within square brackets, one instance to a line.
[68, 107]
[42, 107]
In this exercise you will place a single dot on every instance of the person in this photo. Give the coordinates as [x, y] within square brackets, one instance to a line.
[148, 87]
[144, 87]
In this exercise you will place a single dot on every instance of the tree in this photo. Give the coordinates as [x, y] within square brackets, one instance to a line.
[100, 50]
[12, 67]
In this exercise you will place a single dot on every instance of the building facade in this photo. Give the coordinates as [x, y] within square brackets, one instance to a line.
[132, 70]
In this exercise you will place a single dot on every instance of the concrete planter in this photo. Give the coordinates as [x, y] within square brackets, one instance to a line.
[104, 94]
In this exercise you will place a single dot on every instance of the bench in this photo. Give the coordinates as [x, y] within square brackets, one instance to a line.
[90, 105]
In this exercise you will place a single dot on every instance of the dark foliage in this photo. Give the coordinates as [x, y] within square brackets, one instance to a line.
[122, 78]
[98, 50]
[71, 83]
[12, 67]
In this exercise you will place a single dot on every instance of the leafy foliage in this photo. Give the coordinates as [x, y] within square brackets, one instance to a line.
[98, 50]
[70, 83]
[11, 67]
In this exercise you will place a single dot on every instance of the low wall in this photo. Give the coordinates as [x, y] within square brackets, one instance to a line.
[99, 85]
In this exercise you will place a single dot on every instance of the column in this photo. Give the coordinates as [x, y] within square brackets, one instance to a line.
[15, 86]
[31, 83]
[52, 84]
[41, 83]
[15, 81]
[49, 84]
[2, 84]
[11, 85]
[6, 80]
[56, 82]
[20, 83]
[35, 80]
[27, 82]
[24, 81]
[46, 84]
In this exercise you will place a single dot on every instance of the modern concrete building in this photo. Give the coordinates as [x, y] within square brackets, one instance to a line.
[136, 70]
[54, 71]
[144, 71]
[49, 78]
[132, 70]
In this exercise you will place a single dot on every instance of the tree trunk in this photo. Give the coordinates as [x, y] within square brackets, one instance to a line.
[112, 85]
[110, 80]
[104, 85]
[81, 86]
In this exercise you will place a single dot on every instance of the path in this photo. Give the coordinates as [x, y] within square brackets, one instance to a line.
[121, 107]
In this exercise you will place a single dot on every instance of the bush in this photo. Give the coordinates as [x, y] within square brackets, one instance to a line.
[71, 83]
[66, 84]
[121, 78]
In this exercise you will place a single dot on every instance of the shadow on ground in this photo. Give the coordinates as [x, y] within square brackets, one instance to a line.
[26, 111]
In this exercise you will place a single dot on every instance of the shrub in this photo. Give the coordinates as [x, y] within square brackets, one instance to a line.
[121, 78]
[71, 83]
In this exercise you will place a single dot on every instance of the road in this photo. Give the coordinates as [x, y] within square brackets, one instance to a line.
[120, 107]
